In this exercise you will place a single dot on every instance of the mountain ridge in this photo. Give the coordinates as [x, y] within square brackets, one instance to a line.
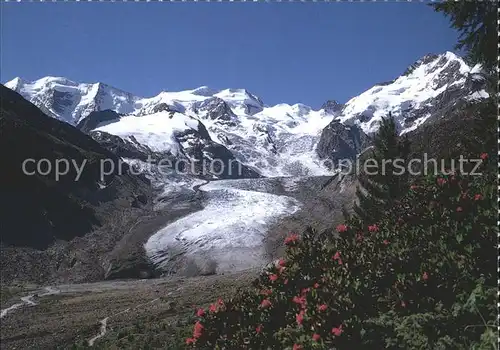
[279, 140]
[205, 91]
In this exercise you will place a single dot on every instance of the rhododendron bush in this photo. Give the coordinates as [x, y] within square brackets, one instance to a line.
[422, 277]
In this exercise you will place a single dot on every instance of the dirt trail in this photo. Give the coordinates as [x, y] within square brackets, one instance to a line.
[29, 300]
[104, 321]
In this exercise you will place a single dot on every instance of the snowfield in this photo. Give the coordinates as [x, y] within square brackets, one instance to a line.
[229, 230]
[157, 131]
[277, 141]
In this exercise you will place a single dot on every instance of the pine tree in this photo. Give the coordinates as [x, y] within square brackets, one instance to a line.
[476, 21]
[381, 186]
[484, 134]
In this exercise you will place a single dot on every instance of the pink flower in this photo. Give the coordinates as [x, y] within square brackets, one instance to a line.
[441, 181]
[316, 337]
[459, 209]
[484, 156]
[386, 242]
[425, 276]
[304, 291]
[299, 317]
[281, 263]
[403, 304]
[413, 187]
[292, 238]
[337, 257]
[200, 313]
[322, 307]
[266, 292]
[258, 329]
[285, 281]
[190, 341]
[359, 237]
[299, 300]
[373, 228]
[273, 277]
[297, 347]
[478, 197]
[316, 285]
[212, 308]
[337, 331]
[198, 330]
[265, 303]
[341, 228]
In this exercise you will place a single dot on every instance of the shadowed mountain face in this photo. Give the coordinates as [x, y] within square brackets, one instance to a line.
[96, 118]
[36, 210]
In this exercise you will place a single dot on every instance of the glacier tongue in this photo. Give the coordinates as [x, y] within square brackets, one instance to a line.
[228, 232]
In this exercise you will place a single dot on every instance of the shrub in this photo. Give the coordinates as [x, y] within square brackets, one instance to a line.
[423, 277]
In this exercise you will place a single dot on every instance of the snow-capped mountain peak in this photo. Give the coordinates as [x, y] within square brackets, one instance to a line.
[433, 87]
[69, 101]
[411, 97]
[241, 100]
[14, 84]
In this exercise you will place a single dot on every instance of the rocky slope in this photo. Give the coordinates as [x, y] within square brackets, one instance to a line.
[42, 213]
[55, 207]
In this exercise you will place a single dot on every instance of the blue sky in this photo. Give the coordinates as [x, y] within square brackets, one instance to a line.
[282, 52]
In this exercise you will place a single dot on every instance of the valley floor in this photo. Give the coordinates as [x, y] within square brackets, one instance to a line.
[131, 314]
